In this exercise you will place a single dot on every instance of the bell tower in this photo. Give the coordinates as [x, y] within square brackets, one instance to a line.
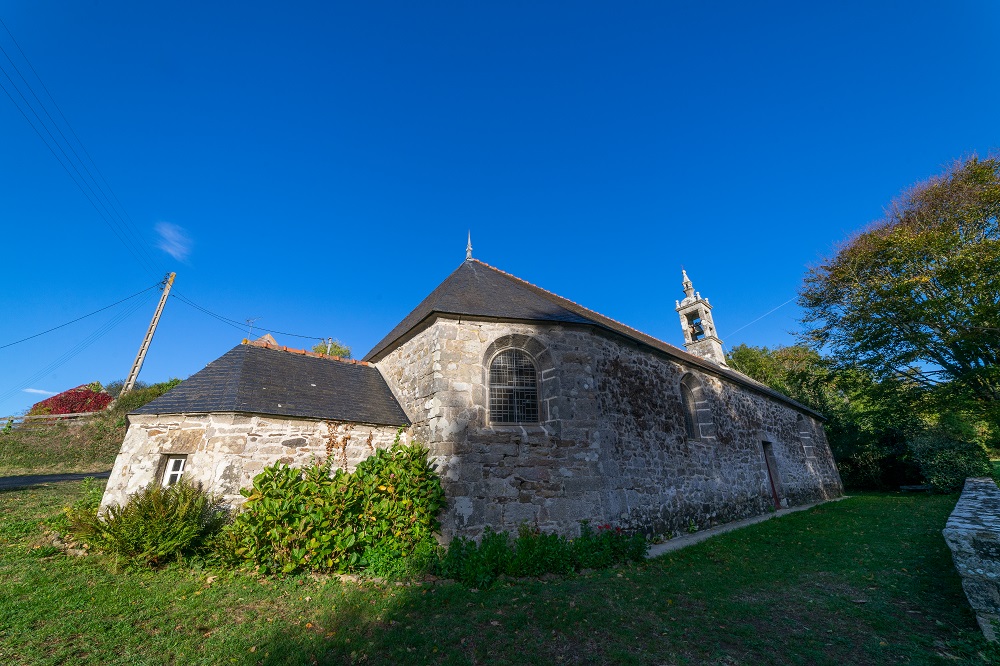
[700, 337]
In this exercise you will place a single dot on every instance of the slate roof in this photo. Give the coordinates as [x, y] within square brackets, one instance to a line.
[263, 380]
[476, 289]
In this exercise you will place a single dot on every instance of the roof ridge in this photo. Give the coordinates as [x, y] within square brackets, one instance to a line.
[261, 344]
[639, 335]
[574, 303]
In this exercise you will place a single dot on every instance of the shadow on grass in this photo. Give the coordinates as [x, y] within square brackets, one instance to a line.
[869, 582]
[864, 581]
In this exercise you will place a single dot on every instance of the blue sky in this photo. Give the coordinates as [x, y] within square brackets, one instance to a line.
[317, 166]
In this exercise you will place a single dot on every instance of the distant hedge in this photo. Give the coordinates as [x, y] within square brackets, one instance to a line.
[138, 397]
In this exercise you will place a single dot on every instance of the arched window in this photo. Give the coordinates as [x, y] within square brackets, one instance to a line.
[698, 424]
[804, 427]
[690, 411]
[513, 388]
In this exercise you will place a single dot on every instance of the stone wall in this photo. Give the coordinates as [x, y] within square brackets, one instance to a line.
[225, 451]
[973, 534]
[611, 445]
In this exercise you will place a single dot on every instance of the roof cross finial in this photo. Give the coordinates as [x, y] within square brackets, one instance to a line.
[468, 248]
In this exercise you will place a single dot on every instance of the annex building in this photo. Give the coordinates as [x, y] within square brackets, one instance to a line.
[535, 409]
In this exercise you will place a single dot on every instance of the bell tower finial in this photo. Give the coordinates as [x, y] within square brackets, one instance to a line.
[468, 248]
[700, 337]
[686, 284]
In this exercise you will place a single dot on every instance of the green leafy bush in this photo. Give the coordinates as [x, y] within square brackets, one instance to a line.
[947, 458]
[533, 553]
[953, 449]
[387, 561]
[477, 565]
[312, 519]
[154, 526]
[607, 546]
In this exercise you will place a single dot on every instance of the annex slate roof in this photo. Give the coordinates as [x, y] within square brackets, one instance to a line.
[476, 289]
[262, 380]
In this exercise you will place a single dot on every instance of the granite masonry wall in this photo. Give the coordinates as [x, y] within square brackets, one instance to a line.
[225, 451]
[611, 445]
[973, 534]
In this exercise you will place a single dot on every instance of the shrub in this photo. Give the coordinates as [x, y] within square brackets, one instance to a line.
[947, 458]
[534, 553]
[607, 546]
[477, 565]
[154, 526]
[294, 518]
[138, 397]
[114, 387]
[83, 398]
[312, 519]
[387, 561]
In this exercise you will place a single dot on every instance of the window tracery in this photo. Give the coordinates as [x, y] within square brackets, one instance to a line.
[513, 388]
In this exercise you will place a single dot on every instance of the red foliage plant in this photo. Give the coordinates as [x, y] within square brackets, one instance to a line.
[83, 398]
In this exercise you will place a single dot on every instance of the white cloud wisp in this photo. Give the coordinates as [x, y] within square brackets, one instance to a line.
[173, 240]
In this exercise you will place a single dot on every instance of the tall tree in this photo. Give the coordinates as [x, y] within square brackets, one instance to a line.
[868, 423]
[917, 295]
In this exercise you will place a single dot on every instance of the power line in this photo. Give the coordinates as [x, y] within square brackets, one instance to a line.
[113, 213]
[241, 325]
[55, 328]
[105, 209]
[224, 320]
[79, 347]
[128, 220]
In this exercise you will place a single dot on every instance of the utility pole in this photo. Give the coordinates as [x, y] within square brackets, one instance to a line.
[133, 374]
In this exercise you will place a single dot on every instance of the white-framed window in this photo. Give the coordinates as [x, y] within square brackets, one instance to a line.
[173, 470]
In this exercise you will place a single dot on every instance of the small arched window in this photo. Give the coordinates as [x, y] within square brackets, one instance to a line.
[690, 411]
[513, 388]
[804, 427]
[698, 424]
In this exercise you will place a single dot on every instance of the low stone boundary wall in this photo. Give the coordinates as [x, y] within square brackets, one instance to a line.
[973, 534]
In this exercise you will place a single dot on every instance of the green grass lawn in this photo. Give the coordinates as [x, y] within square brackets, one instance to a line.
[73, 446]
[868, 580]
[62, 447]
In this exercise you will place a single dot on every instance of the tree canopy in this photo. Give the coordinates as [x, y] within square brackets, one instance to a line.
[335, 348]
[868, 422]
[917, 295]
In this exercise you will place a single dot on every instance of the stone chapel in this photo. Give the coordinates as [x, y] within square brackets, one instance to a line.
[535, 410]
